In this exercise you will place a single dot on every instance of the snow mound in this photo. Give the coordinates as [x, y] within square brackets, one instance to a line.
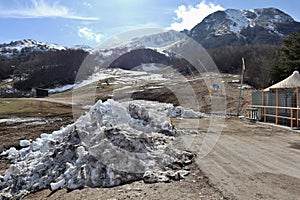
[112, 144]
[182, 112]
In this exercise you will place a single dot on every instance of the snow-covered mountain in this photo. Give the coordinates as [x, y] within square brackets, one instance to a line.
[159, 40]
[243, 27]
[155, 41]
[82, 47]
[27, 46]
[151, 38]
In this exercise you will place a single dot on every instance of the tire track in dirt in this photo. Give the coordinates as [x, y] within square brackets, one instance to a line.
[237, 161]
[262, 149]
[283, 160]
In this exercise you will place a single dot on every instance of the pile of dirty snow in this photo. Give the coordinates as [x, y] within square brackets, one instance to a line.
[110, 145]
[179, 111]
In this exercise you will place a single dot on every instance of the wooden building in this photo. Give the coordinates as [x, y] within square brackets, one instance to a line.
[278, 103]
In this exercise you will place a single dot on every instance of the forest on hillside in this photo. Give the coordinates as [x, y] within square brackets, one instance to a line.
[259, 60]
[42, 69]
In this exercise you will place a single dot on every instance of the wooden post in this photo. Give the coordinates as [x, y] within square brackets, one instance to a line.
[297, 106]
[262, 104]
[276, 120]
[265, 114]
[291, 117]
[262, 97]
[241, 87]
[248, 112]
[250, 105]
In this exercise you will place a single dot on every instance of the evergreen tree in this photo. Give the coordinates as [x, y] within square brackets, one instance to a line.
[288, 59]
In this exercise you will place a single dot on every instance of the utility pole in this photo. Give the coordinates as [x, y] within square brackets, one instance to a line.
[241, 87]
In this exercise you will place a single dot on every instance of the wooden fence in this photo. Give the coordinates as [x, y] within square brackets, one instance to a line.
[263, 111]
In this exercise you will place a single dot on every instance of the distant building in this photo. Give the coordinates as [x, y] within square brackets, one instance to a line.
[39, 92]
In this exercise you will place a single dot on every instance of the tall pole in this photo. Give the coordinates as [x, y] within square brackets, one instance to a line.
[241, 87]
[297, 106]
[276, 119]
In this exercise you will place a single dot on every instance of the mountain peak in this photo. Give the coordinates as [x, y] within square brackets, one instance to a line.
[236, 25]
[26, 46]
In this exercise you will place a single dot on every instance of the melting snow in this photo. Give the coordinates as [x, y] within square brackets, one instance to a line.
[112, 144]
[61, 89]
[150, 67]
[28, 120]
[238, 18]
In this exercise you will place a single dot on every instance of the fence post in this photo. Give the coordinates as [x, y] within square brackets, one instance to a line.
[265, 114]
[297, 106]
[291, 117]
[276, 119]
[262, 104]
[262, 97]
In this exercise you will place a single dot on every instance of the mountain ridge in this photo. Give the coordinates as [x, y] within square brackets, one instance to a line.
[25, 46]
[244, 27]
[221, 28]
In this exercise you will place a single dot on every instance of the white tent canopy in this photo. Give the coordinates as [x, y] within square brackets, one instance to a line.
[290, 82]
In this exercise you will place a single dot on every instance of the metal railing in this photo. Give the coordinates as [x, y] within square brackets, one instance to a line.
[292, 110]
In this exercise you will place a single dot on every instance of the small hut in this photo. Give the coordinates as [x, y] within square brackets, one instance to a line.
[39, 92]
[279, 103]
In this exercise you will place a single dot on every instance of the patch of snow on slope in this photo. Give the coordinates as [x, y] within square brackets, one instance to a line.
[101, 75]
[238, 18]
[155, 41]
[61, 89]
[82, 47]
[121, 76]
[149, 67]
[160, 40]
[29, 120]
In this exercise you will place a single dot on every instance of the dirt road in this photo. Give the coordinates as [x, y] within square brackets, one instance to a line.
[254, 161]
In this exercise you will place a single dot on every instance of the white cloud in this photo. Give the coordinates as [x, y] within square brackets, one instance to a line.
[42, 9]
[188, 17]
[88, 34]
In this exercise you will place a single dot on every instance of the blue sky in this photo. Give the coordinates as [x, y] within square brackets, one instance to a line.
[90, 22]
